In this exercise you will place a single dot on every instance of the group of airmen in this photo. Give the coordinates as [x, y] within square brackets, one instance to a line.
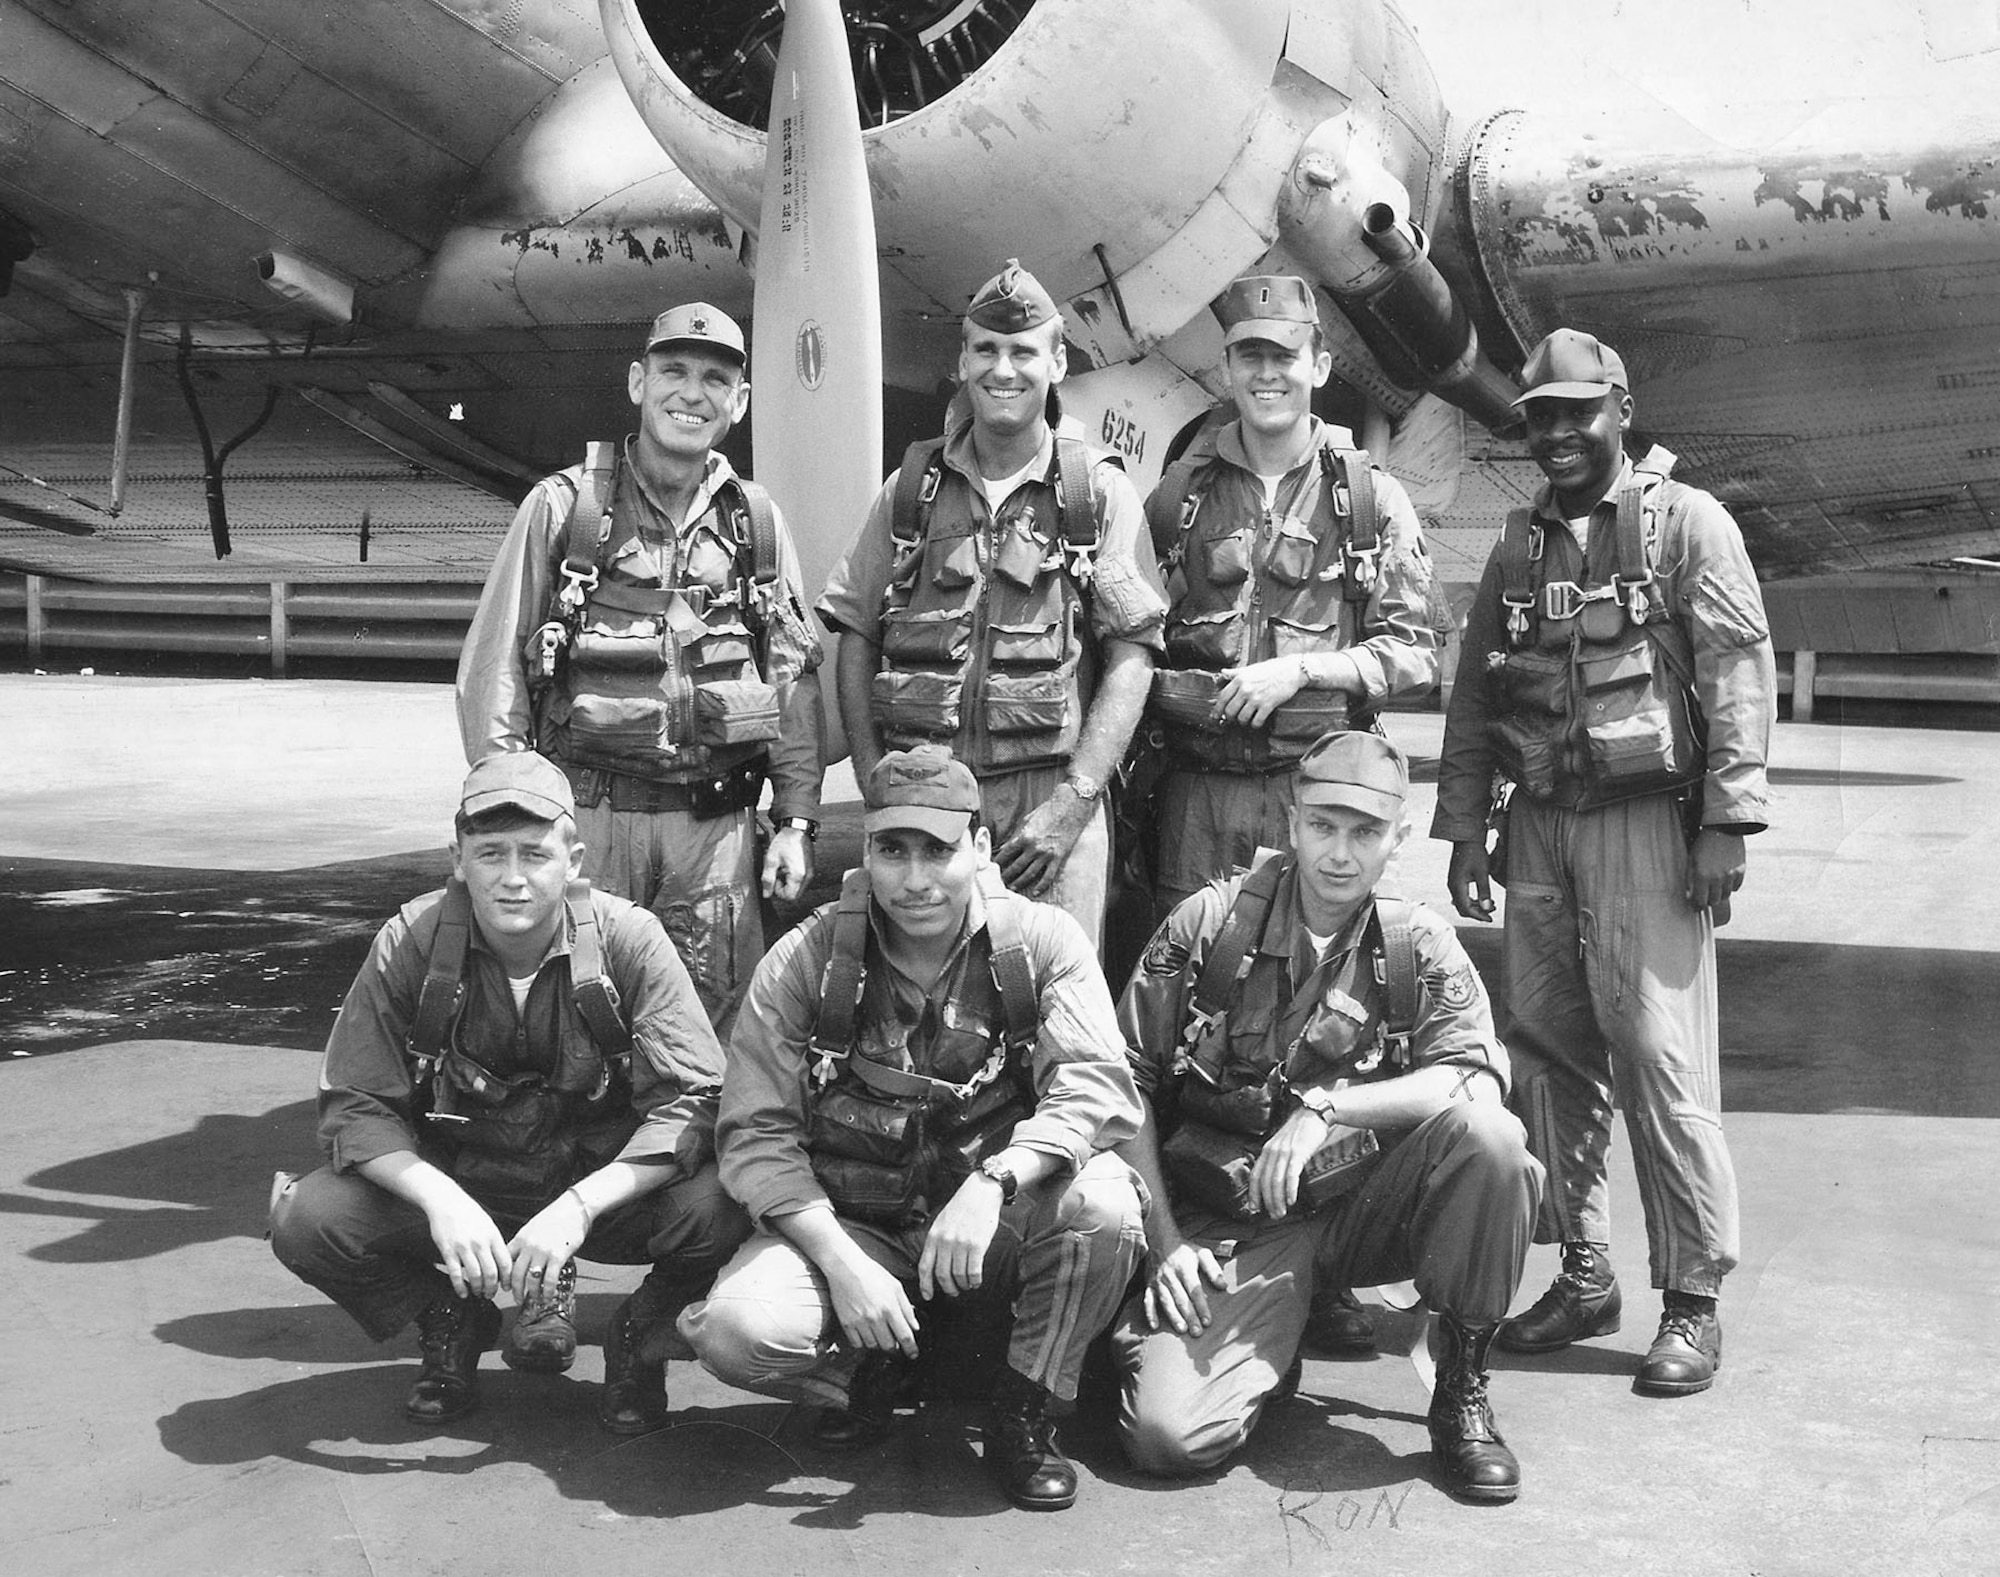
[584, 1048]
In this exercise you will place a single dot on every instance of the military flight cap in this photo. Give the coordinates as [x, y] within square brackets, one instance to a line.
[1569, 365]
[1011, 302]
[1274, 307]
[517, 777]
[927, 788]
[1360, 770]
[698, 323]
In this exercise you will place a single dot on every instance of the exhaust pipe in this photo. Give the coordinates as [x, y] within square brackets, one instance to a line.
[316, 289]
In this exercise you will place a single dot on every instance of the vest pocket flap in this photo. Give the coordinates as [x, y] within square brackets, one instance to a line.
[1535, 681]
[1526, 755]
[638, 649]
[1337, 1168]
[1298, 637]
[1039, 645]
[957, 567]
[1292, 554]
[1632, 665]
[1203, 640]
[937, 635]
[1186, 696]
[736, 712]
[623, 719]
[864, 1127]
[1026, 704]
[1228, 559]
[918, 703]
[720, 645]
[1309, 714]
[1210, 1168]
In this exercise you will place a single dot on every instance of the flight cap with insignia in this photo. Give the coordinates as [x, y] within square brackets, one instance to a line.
[519, 778]
[1274, 307]
[698, 323]
[927, 788]
[1569, 365]
[1360, 770]
[1011, 302]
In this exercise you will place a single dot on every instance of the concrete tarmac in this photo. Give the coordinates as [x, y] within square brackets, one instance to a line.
[180, 861]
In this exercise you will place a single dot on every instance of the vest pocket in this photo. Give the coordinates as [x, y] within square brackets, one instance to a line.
[1026, 703]
[1204, 640]
[1227, 559]
[721, 645]
[1525, 754]
[735, 712]
[619, 722]
[1293, 554]
[1636, 722]
[1185, 698]
[1021, 558]
[1035, 645]
[917, 705]
[937, 637]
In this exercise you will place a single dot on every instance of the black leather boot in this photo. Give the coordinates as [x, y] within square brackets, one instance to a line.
[1466, 1446]
[634, 1401]
[1688, 1350]
[1583, 1300]
[542, 1338]
[1336, 1323]
[451, 1334]
[872, 1395]
[1021, 1449]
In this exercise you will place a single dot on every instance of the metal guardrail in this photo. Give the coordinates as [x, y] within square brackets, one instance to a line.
[277, 619]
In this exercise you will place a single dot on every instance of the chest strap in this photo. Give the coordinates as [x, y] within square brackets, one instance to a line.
[922, 472]
[1351, 498]
[1396, 973]
[835, 1028]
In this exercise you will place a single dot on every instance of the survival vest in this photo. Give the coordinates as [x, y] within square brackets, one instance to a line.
[1247, 1039]
[981, 652]
[658, 680]
[516, 1141]
[1308, 594]
[1593, 698]
[890, 1144]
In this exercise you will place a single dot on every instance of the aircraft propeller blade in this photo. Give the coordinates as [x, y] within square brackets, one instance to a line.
[816, 363]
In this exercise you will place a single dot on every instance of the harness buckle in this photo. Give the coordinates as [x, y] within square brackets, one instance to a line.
[1078, 563]
[1534, 540]
[576, 588]
[1200, 1020]
[1636, 601]
[1363, 564]
[930, 487]
[1518, 609]
[544, 646]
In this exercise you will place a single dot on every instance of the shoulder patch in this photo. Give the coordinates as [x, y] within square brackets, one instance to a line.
[1454, 989]
[1164, 955]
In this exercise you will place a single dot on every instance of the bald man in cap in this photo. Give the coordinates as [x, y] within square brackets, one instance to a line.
[1326, 1100]
[1617, 671]
[518, 1079]
[643, 626]
[1002, 599]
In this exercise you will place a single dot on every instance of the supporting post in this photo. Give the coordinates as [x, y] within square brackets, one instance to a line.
[33, 586]
[1805, 669]
[281, 627]
[128, 372]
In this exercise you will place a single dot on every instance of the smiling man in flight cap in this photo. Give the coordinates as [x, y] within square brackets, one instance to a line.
[643, 626]
[520, 1077]
[1002, 598]
[1617, 671]
[1325, 1102]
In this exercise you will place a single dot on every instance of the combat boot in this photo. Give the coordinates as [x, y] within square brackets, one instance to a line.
[1688, 1350]
[451, 1334]
[1583, 1300]
[543, 1336]
[872, 1395]
[1021, 1449]
[1466, 1446]
[634, 1400]
[1336, 1323]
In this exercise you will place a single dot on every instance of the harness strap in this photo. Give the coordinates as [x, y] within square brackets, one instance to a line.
[1171, 510]
[1079, 511]
[590, 988]
[1020, 1005]
[439, 998]
[846, 973]
[585, 532]
[1350, 490]
[1520, 549]
[1394, 922]
[1241, 927]
[916, 486]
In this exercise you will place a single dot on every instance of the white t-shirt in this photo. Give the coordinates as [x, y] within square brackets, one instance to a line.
[1580, 529]
[1271, 486]
[1000, 489]
[519, 984]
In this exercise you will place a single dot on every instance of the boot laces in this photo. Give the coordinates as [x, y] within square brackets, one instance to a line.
[559, 1301]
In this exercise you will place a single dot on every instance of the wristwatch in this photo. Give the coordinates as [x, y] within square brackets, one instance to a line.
[1319, 1102]
[799, 824]
[1085, 789]
[995, 1168]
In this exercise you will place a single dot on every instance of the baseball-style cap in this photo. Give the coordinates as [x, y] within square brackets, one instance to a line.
[1359, 770]
[1275, 307]
[698, 323]
[1569, 365]
[517, 777]
[1011, 302]
[927, 788]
